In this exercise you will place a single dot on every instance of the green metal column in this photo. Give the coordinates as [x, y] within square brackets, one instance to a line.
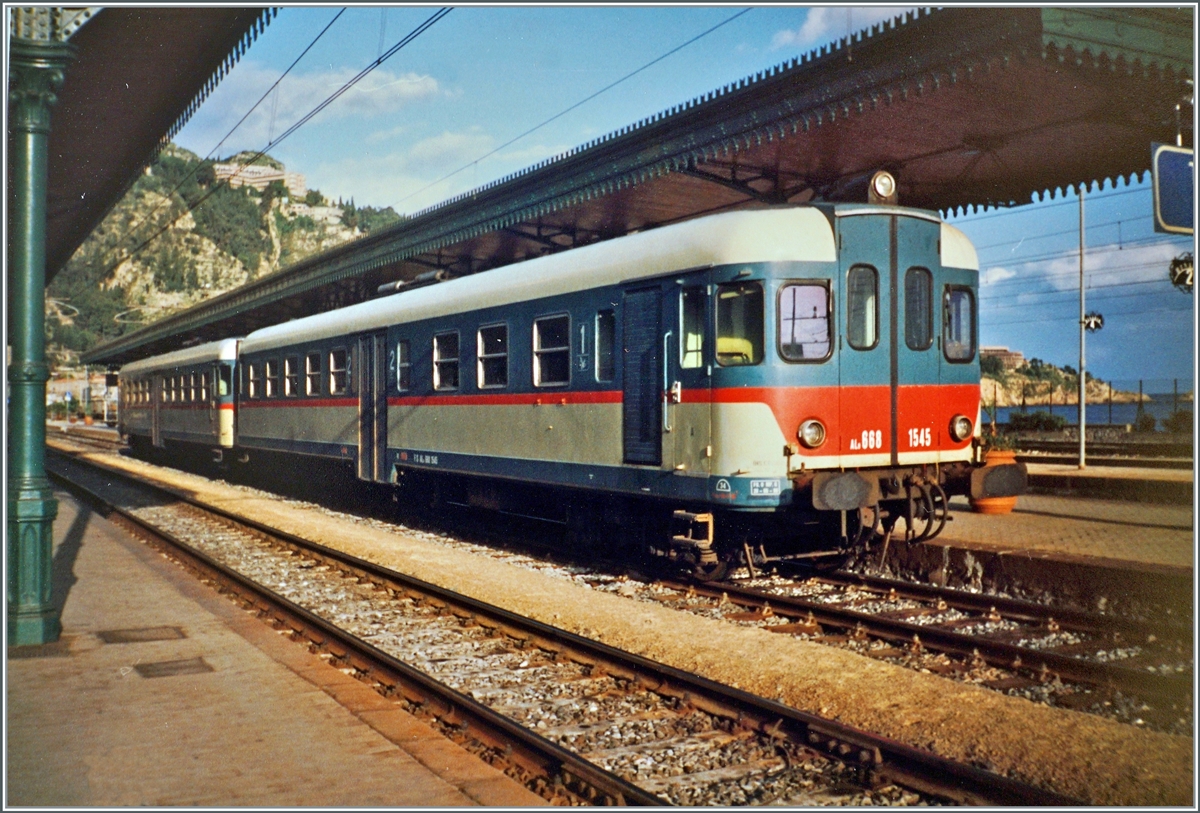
[35, 73]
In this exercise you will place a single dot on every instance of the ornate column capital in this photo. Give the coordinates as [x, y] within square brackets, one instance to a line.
[36, 71]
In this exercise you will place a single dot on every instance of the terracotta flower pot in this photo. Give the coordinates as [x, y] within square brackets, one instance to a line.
[996, 505]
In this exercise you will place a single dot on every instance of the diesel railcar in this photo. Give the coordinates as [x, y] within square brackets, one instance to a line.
[186, 397]
[753, 384]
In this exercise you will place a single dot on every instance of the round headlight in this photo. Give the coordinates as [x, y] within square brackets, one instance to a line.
[960, 427]
[812, 433]
[884, 184]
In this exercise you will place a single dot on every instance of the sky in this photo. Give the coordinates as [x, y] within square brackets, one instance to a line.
[452, 101]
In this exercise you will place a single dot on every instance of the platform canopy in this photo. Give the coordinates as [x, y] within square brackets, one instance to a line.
[965, 106]
[137, 76]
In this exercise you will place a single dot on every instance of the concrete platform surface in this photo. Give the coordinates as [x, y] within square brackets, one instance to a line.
[206, 705]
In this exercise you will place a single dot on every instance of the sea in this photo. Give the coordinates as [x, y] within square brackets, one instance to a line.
[1160, 405]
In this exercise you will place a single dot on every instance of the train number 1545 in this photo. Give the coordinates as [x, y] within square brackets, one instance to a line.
[920, 437]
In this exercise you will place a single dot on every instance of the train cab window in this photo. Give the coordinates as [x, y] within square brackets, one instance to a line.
[312, 374]
[403, 366]
[692, 302]
[862, 307]
[445, 361]
[958, 324]
[918, 308]
[291, 376]
[253, 381]
[739, 324]
[492, 352]
[224, 380]
[338, 371]
[272, 378]
[552, 351]
[804, 324]
[606, 329]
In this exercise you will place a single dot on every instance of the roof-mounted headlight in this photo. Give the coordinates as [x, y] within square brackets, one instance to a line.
[883, 188]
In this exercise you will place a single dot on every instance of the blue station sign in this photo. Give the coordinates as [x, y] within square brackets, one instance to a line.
[1173, 170]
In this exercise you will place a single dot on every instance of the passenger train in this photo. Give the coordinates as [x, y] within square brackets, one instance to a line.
[781, 382]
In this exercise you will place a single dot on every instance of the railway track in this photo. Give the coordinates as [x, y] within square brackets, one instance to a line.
[573, 719]
[1032, 644]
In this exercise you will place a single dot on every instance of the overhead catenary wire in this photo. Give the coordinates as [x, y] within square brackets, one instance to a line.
[412, 35]
[562, 113]
[232, 130]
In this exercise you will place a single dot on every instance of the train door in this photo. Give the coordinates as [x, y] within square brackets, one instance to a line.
[211, 380]
[917, 396]
[887, 264]
[371, 381]
[156, 407]
[687, 400]
[642, 376]
[865, 370]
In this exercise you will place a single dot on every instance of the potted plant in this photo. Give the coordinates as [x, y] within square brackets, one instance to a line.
[997, 450]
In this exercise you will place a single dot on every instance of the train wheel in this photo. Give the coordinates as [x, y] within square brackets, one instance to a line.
[711, 571]
[922, 514]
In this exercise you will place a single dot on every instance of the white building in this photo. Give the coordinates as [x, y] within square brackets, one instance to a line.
[260, 177]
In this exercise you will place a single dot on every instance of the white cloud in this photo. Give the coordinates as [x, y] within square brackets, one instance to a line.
[379, 92]
[826, 24]
[996, 274]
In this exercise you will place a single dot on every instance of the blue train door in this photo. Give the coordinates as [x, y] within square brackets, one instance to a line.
[371, 380]
[916, 395]
[889, 360]
[866, 262]
[642, 376]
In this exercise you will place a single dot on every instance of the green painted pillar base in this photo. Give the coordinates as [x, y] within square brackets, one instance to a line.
[32, 619]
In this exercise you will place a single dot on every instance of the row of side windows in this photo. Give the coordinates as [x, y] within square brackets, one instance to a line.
[322, 374]
[551, 354]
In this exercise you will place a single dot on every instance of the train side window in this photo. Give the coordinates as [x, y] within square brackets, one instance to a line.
[445, 361]
[862, 307]
[739, 324]
[338, 370]
[174, 388]
[253, 381]
[692, 304]
[204, 383]
[918, 308]
[193, 387]
[272, 378]
[403, 366]
[291, 376]
[492, 353]
[606, 329]
[224, 379]
[804, 324]
[958, 324]
[312, 374]
[552, 351]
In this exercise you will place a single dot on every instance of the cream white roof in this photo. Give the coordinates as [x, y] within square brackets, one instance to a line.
[222, 350]
[767, 235]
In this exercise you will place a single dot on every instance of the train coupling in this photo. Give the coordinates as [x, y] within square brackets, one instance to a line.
[1004, 480]
[693, 533]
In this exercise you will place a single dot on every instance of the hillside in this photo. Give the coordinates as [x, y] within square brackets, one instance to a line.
[213, 238]
[1039, 383]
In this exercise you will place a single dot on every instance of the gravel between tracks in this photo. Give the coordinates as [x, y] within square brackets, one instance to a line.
[1093, 759]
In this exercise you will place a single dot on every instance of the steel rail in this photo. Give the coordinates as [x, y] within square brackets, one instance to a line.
[532, 753]
[996, 653]
[885, 758]
[1011, 608]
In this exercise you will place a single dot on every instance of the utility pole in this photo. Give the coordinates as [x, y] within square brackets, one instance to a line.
[1082, 342]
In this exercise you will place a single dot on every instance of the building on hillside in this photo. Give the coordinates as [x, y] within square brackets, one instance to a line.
[260, 177]
[1009, 359]
[321, 214]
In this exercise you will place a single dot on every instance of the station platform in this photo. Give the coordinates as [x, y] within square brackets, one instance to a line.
[162, 692]
[1137, 483]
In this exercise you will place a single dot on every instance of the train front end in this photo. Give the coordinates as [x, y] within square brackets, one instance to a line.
[872, 384]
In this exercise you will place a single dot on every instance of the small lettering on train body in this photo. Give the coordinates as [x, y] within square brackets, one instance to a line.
[764, 488]
[427, 459]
